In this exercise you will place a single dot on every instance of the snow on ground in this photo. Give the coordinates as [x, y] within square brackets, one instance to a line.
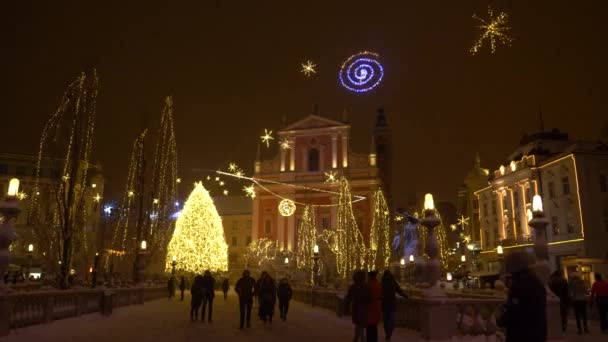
[168, 320]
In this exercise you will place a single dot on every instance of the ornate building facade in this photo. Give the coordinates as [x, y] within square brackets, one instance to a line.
[467, 206]
[318, 146]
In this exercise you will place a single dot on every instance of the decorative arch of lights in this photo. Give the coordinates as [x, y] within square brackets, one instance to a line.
[361, 72]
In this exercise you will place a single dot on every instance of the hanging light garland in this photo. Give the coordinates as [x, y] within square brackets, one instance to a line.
[287, 207]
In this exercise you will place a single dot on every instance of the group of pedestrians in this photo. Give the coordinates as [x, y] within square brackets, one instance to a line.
[371, 301]
[203, 292]
[574, 293]
[266, 291]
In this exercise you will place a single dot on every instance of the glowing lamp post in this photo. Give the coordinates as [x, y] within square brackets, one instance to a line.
[433, 269]
[8, 212]
[173, 264]
[402, 267]
[94, 271]
[539, 222]
[315, 268]
[501, 258]
[448, 277]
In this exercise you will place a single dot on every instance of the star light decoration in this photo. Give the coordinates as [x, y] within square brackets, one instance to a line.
[463, 221]
[286, 144]
[308, 68]
[21, 195]
[232, 167]
[330, 177]
[267, 137]
[494, 30]
[250, 191]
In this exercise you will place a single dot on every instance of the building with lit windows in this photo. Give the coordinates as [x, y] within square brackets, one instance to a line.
[235, 212]
[23, 167]
[467, 205]
[319, 146]
[570, 176]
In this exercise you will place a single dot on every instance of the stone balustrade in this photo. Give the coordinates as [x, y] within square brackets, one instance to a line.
[20, 309]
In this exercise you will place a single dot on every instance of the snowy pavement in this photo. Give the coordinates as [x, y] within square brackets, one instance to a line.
[168, 320]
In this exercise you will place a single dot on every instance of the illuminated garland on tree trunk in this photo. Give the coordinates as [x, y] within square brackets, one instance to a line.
[307, 238]
[350, 247]
[379, 251]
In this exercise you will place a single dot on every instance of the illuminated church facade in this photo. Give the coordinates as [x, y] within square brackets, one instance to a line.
[318, 146]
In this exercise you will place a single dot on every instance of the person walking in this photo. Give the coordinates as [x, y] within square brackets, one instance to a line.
[284, 293]
[196, 292]
[578, 296]
[171, 287]
[524, 315]
[182, 287]
[390, 288]
[358, 296]
[559, 286]
[258, 284]
[208, 295]
[225, 287]
[599, 295]
[268, 294]
[375, 306]
[245, 288]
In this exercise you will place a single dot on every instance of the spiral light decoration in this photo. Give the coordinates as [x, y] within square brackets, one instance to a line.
[361, 72]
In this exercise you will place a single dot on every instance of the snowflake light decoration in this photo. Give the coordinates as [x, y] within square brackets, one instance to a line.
[250, 191]
[267, 137]
[286, 144]
[308, 68]
[21, 195]
[330, 177]
[232, 167]
[287, 207]
[494, 30]
[463, 221]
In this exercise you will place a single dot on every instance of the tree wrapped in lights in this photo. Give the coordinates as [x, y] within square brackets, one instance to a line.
[307, 238]
[348, 238]
[70, 130]
[379, 251]
[261, 253]
[198, 242]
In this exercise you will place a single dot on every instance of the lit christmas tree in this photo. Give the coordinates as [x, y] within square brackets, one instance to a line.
[198, 241]
[307, 238]
[379, 252]
[350, 247]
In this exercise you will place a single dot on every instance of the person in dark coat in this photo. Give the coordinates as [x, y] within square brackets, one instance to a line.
[268, 294]
[358, 295]
[182, 287]
[257, 289]
[578, 296]
[390, 288]
[196, 291]
[245, 288]
[559, 286]
[374, 311]
[225, 287]
[284, 293]
[208, 295]
[524, 314]
[171, 287]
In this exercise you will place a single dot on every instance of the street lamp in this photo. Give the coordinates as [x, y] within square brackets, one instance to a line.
[315, 268]
[30, 253]
[539, 222]
[463, 258]
[94, 271]
[433, 269]
[173, 264]
[8, 211]
[402, 262]
[500, 252]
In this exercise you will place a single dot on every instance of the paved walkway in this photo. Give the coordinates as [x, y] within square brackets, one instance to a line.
[165, 320]
[168, 320]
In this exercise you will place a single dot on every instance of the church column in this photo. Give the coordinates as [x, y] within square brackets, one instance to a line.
[283, 160]
[280, 231]
[292, 157]
[344, 151]
[334, 151]
[291, 228]
[256, 219]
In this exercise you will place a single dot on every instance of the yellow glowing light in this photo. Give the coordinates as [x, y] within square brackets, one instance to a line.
[97, 198]
[250, 191]
[30, 248]
[402, 262]
[144, 245]
[513, 166]
[93, 185]
[287, 207]
[217, 179]
[308, 68]
[463, 258]
[448, 276]
[198, 240]
[239, 174]
[466, 238]
[155, 201]
[221, 183]
[398, 218]
[502, 170]
[307, 237]
[499, 250]
[65, 177]
[13, 187]
[208, 178]
[130, 193]
[379, 251]
[537, 204]
[331, 177]
[494, 30]
[232, 167]
[286, 144]
[267, 137]
[453, 227]
[429, 204]
[178, 180]
[411, 258]
[286, 261]
[225, 192]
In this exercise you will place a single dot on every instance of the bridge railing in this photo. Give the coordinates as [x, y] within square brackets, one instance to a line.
[20, 309]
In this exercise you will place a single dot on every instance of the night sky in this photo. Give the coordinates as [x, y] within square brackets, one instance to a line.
[234, 69]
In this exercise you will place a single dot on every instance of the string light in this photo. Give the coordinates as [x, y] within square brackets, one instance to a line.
[349, 241]
[97, 198]
[225, 192]
[494, 30]
[307, 239]
[361, 72]
[178, 180]
[287, 207]
[267, 137]
[261, 251]
[379, 251]
[198, 241]
[308, 68]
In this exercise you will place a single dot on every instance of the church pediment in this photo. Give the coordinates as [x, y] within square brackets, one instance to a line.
[312, 122]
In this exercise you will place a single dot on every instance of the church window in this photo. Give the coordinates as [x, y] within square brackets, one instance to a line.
[313, 159]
